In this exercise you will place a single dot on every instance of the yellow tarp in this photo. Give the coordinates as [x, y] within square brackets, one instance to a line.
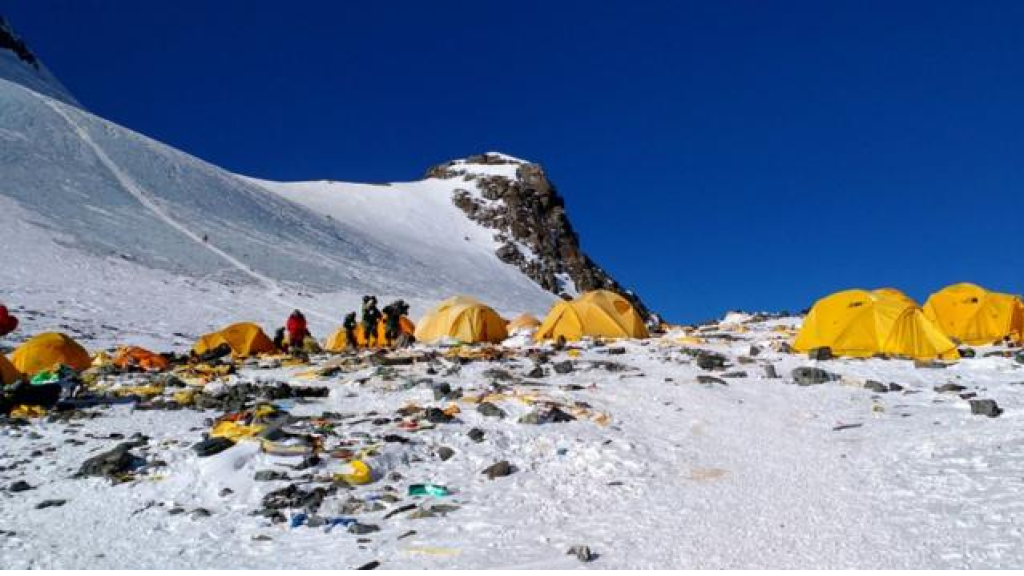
[862, 324]
[46, 351]
[975, 316]
[338, 342]
[245, 339]
[600, 313]
[234, 431]
[8, 373]
[463, 319]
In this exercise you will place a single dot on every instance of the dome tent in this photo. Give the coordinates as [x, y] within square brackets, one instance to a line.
[524, 323]
[860, 323]
[599, 313]
[45, 351]
[974, 315]
[462, 319]
[245, 339]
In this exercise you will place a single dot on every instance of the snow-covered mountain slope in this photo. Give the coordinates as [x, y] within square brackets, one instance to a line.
[107, 192]
[18, 64]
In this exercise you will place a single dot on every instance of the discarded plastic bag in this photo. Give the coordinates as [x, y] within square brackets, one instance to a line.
[428, 490]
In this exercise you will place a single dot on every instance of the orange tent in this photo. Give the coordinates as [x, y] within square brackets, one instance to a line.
[128, 356]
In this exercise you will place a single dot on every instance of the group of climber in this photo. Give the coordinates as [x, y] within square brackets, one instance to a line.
[391, 315]
[295, 335]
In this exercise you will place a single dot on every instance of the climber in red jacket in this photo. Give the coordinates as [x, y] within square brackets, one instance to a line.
[8, 323]
[297, 331]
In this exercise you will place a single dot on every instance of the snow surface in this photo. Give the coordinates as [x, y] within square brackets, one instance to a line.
[751, 473]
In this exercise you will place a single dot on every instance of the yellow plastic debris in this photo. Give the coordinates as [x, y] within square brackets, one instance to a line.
[143, 391]
[361, 474]
[101, 359]
[235, 431]
[184, 397]
[28, 411]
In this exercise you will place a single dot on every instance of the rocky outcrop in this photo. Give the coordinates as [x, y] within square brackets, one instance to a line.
[10, 41]
[516, 200]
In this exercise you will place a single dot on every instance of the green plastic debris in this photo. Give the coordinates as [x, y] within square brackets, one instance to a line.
[53, 376]
[432, 490]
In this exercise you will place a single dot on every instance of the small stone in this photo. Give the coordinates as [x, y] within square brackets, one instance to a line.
[710, 380]
[710, 361]
[950, 388]
[490, 410]
[876, 387]
[737, 374]
[270, 475]
[226, 492]
[823, 353]
[476, 435]
[894, 387]
[372, 565]
[445, 453]
[199, 513]
[113, 463]
[360, 528]
[212, 446]
[754, 350]
[19, 486]
[770, 371]
[50, 504]
[498, 470]
[437, 416]
[581, 552]
[441, 389]
[807, 376]
[536, 373]
[564, 367]
[967, 352]
[985, 408]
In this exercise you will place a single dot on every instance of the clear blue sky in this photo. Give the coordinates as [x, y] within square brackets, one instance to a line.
[713, 155]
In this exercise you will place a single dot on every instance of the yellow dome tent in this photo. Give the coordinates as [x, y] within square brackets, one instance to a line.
[464, 319]
[337, 342]
[523, 322]
[596, 314]
[245, 339]
[895, 293]
[8, 373]
[975, 316]
[47, 350]
[861, 324]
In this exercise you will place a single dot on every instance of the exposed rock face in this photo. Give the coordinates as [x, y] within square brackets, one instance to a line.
[516, 200]
[10, 41]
